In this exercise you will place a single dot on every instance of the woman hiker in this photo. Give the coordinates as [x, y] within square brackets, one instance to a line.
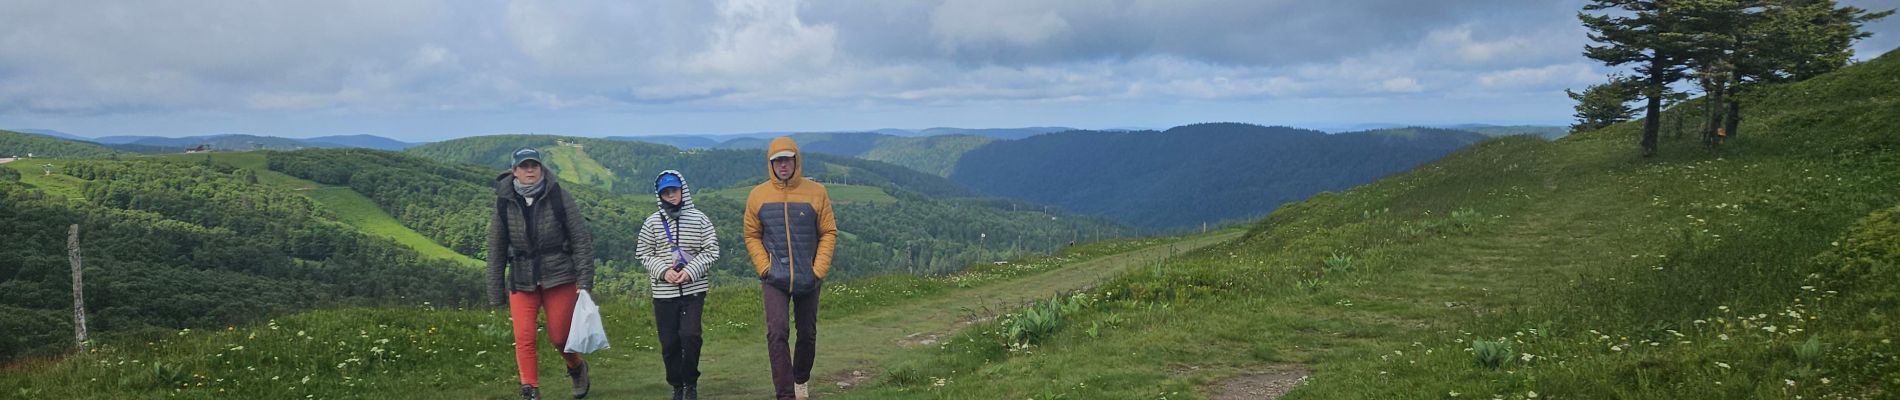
[677, 245]
[538, 234]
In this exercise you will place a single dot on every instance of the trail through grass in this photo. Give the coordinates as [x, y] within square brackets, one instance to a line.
[429, 353]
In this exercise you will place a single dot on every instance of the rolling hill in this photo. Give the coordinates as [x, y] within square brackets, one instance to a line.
[359, 141]
[52, 133]
[1195, 174]
[187, 242]
[17, 144]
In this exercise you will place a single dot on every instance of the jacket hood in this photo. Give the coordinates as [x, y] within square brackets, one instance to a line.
[505, 187]
[785, 143]
[686, 190]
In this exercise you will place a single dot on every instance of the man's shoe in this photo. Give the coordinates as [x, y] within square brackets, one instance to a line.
[800, 391]
[679, 392]
[529, 392]
[692, 393]
[581, 383]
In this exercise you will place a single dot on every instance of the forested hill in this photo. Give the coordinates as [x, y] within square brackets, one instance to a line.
[1193, 174]
[14, 144]
[629, 166]
[171, 244]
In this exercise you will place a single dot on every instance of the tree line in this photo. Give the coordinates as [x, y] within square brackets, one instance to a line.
[1726, 49]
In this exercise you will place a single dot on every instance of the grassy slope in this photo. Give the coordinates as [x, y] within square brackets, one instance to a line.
[573, 164]
[350, 207]
[1598, 273]
[57, 184]
[424, 352]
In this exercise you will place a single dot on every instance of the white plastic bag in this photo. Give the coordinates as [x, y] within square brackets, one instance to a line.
[585, 334]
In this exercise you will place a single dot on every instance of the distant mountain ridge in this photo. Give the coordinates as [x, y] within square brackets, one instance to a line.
[1194, 174]
[236, 142]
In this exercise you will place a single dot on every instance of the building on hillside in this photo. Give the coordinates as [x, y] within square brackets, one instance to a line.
[203, 148]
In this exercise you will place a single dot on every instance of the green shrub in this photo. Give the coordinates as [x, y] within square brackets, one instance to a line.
[1490, 354]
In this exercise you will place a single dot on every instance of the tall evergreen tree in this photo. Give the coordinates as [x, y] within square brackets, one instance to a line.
[1646, 34]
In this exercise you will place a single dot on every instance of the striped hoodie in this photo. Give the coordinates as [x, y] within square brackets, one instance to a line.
[690, 230]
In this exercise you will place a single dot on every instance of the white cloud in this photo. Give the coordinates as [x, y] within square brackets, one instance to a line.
[976, 23]
[1457, 40]
[613, 57]
[1545, 77]
[1401, 85]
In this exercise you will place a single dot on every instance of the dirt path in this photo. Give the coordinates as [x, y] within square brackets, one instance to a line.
[846, 357]
[1265, 385]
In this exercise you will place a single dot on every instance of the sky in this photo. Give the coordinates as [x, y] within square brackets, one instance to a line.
[423, 70]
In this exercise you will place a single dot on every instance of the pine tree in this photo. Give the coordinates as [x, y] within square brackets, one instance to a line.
[1644, 33]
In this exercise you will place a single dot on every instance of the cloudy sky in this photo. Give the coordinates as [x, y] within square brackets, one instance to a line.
[429, 70]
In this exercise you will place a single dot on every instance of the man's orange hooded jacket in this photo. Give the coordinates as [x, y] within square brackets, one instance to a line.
[789, 228]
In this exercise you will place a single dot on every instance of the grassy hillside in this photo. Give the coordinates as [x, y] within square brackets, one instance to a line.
[355, 210]
[1518, 269]
[571, 162]
[428, 351]
[348, 206]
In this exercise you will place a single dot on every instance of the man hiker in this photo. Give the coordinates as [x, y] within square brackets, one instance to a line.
[790, 234]
[677, 245]
[538, 234]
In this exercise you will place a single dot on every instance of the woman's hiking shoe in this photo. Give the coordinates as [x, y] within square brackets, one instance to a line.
[529, 392]
[581, 383]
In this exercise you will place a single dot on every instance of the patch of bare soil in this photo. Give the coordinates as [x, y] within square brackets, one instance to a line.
[1262, 385]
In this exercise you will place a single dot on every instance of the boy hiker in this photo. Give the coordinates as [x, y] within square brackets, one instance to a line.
[677, 245]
